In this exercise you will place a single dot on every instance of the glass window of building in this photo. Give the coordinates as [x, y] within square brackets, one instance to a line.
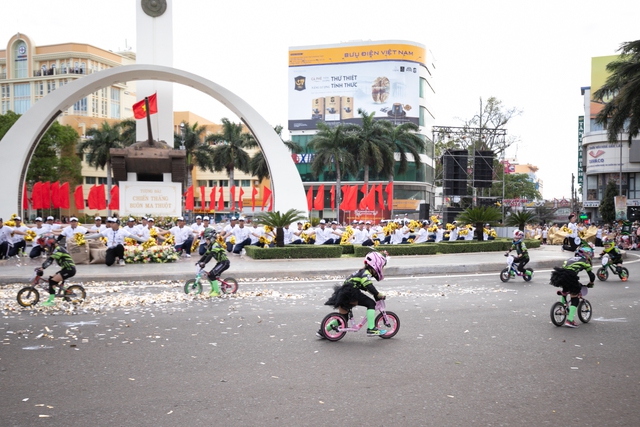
[115, 102]
[80, 107]
[51, 86]
[245, 183]
[20, 60]
[21, 98]
[592, 187]
[224, 183]
[89, 179]
[6, 101]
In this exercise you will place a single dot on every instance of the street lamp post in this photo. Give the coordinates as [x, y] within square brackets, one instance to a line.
[182, 135]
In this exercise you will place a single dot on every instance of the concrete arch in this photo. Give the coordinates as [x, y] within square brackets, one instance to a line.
[20, 142]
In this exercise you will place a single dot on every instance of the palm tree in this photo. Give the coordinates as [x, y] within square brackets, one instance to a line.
[404, 140]
[228, 152]
[96, 147]
[520, 219]
[277, 221]
[624, 85]
[479, 216]
[370, 143]
[258, 165]
[199, 153]
[128, 131]
[331, 150]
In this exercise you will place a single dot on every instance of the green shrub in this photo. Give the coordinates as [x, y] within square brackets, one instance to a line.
[295, 251]
[347, 249]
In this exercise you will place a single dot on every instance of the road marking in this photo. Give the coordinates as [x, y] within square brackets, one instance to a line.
[616, 319]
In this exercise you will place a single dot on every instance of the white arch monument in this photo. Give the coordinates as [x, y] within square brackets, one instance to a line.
[21, 140]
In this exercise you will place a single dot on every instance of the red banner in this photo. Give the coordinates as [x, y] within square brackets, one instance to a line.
[114, 200]
[318, 202]
[64, 196]
[78, 196]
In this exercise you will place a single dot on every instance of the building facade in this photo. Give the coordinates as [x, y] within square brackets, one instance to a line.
[393, 79]
[600, 160]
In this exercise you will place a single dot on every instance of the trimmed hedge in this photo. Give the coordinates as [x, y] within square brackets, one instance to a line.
[336, 251]
[295, 251]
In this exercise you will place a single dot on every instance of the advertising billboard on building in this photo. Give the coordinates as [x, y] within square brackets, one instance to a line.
[329, 84]
[599, 75]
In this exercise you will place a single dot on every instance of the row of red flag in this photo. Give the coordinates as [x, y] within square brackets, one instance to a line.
[211, 206]
[53, 195]
[350, 197]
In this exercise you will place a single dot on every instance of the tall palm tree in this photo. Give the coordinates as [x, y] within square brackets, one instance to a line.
[228, 150]
[199, 152]
[258, 164]
[369, 142]
[96, 147]
[405, 141]
[332, 150]
[277, 221]
[624, 85]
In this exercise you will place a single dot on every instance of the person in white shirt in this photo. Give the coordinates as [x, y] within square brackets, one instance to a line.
[197, 226]
[398, 234]
[227, 232]
[39, 229]
[52, 227]
[70, 231]
[336, 233]
[17, 241]
[144, 224]
[183, 236]
[359, 234]
[131, 227]
[98, 226]
[199, 232]
[115, 241]
[288, 235]
[6, 239]
[323, 234]
[545, 235]
[241, 233]
[296, 238]
[453, 234]
[422, 234]
[572, 240]
[470, 233]
[439, 233]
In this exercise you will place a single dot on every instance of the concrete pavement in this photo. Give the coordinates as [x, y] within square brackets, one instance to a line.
[19, 271]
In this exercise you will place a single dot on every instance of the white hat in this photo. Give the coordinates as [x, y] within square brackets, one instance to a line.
[241, 218]
[322, 221]
[17, 218]
[206, 218]
[39, 219]
[361, 222]
[49, 218]
[109, 219]
[151, 220]
[98, 218]
[368, 222]
[144, 218]
[334, 222]
[233, 218]
[180, 218]
[131, 220]
[198, 217]
[73, 218]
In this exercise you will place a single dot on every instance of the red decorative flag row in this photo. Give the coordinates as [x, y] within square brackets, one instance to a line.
[45, 195]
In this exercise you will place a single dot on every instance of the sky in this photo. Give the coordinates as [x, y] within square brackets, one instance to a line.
[532, 55]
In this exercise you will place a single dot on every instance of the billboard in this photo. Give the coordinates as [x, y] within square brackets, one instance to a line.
[599, 75]
[605, 157]
[330, 84]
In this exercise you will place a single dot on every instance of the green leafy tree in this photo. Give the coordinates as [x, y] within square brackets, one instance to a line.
[332, 151]
[620, 94]
[516, 185]
[521, 218]
[369, 142]
[479, 216]
[97, 146]
[198, 152]
[128, 131]
[278, 220]
[258, 165]
[229, 151]
[607, 205]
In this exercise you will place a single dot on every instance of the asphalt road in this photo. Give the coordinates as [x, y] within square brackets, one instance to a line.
[470, 351]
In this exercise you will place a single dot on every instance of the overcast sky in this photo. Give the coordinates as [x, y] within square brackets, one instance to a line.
[532, 55]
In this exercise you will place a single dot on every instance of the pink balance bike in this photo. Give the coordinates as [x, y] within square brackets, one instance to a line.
[385, 320]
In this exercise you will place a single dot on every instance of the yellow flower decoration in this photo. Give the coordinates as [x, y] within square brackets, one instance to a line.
[434, 218]
[194, 246]
[153, 232]
[267, 229]
[232, 240]
[566, 229]
[30, 235]
[446, 235]
[130, 241]
[79, 239]
[149, 243]
[376, 243]
[306, 226]
[450, 226]
[493, 233]
[432, 229]
[464, 232]
[346, 235]
[103, 240]
[414, 225]
[220, 240]
[169, 241]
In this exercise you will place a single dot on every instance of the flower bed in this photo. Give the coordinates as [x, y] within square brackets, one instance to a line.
[152, 254]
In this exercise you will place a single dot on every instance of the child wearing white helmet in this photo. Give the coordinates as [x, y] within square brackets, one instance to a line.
[522, 253]
[351, 292]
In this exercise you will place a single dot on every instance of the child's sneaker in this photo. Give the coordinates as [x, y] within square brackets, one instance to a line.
[375, 332]
[571, 324]
[319, 334]
[49, 302]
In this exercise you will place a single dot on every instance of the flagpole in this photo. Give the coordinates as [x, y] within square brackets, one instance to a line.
[146, 105]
